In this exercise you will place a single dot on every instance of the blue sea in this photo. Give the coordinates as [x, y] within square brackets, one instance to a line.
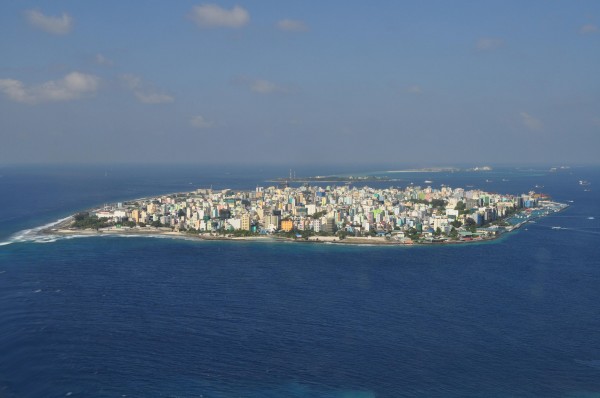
[156, 317]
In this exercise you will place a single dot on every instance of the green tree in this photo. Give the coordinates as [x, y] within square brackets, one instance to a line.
[84, 221]
[318, 214]
[342, 234]
[453, 233]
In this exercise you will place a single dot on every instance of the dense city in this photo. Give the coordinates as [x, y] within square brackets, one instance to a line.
[333, 213]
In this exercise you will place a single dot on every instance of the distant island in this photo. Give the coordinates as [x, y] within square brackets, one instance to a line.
[378, 178]
[343, 214]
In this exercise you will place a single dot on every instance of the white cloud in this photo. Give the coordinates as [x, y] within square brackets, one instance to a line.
[200, 122]
[153, 98]
[143, 92]
[213, 16]
[588, 29]
[291, 25]
[415, 89]
[131, 81]
[73, 86]
[102, 60]
[531, 122]
[55, 25]
[260, 86]
[264, 87]
[488, 44]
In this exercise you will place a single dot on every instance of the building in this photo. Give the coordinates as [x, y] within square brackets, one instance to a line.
[328, 225]
[245, 222]
[287, 225]
[135, 215]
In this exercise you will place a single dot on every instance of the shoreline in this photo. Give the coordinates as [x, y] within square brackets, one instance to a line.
[357, 241]
[62, 228]
[157, 232]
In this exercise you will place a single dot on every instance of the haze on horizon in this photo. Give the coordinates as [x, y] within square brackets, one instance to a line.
[257, 82]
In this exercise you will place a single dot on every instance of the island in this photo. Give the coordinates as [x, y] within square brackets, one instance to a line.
[335, 214]
[362, 178]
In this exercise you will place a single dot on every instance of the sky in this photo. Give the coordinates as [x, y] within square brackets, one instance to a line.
[300, 82]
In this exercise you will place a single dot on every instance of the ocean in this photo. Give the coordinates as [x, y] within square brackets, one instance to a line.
[160, 317]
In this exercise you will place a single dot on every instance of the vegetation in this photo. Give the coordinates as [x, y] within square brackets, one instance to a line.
[413, 234]
[242, 233]
[342, 234]
[462, 208]
[435, 203]
[453, 233]
[84, 221]
[306, 234]
[318, 214]
[471, 225]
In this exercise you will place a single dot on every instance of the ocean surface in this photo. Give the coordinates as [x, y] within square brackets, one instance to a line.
[158, 317]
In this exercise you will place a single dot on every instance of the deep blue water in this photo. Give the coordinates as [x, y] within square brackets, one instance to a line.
[149, 317]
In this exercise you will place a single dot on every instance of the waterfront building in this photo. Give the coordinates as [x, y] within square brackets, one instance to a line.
[245, 222]
[287, 225]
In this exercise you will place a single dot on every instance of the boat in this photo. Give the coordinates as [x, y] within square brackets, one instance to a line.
[591, 218]
[584, 182]
[428, 181]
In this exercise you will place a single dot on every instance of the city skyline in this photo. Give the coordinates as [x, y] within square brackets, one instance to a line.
[298, 83]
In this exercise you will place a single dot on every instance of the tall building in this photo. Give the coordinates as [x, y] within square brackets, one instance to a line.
[272, 220]
[287, 225]
[135, 215]
[245, 225]
[328, 225]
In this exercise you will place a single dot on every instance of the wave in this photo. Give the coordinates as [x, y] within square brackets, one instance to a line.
[33, 234]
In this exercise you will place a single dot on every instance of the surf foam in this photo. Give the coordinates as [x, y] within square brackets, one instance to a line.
[34, 235]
